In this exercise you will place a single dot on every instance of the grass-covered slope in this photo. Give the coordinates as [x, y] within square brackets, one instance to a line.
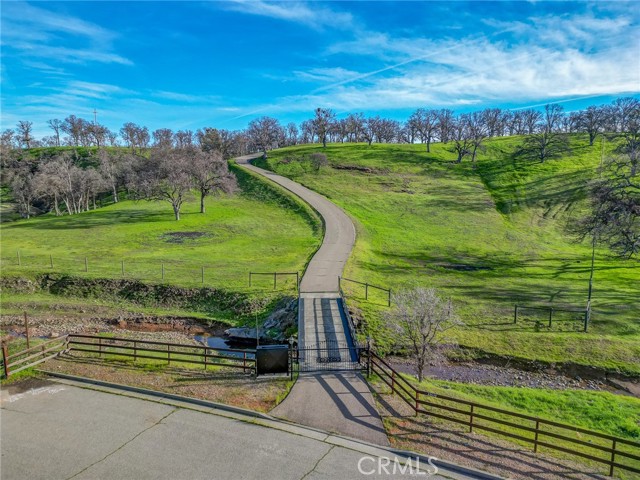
[260, 229]
[489, 237]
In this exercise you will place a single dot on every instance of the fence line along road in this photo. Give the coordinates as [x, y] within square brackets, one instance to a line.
[164, 351]
[18, 361]
[543, 433]
[367, 286]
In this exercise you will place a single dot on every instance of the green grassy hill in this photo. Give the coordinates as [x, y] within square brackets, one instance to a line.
[261, 229]
[489, 237]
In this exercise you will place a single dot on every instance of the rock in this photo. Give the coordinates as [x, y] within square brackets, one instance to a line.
[243, 333]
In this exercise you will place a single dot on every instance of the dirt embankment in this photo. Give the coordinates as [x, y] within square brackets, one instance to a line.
[510, 373]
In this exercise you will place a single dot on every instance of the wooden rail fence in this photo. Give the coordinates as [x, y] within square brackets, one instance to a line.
[164, 351]
[15, 362]
[541, 432]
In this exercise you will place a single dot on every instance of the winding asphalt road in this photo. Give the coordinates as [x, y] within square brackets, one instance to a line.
[335, 401]
[328, 263]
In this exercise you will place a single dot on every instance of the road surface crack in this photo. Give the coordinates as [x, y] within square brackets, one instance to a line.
[317, 463]
[124, 444]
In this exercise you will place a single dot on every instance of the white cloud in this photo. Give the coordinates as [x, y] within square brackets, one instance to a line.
[36, 33]
[304, 13]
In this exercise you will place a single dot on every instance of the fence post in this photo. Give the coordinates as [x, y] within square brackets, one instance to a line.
[515, 315]
[393, 381]
[100, 346]
[535, 440]
[163, 271]
[202, 275]
[339, 284]
[366, 291]
[274, 280]
[368, 357]
[471, 419]
[5, 363]
[389, 302]
[613, 457]
[249, 278]
[205, 358]
[550, 315]
[51, 260]
[135, 350]
[417, 404]
[298, 282]
[587, 314]
[86, 264]
[26, 328]
[168, 354]
[123, 268]
[19, 263]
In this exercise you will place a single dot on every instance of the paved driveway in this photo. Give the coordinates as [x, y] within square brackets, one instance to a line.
[340, 234]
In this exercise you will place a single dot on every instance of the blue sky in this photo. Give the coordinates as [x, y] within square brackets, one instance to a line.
[187, 65]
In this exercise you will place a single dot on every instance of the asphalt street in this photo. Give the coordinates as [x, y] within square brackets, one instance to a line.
[59, 431]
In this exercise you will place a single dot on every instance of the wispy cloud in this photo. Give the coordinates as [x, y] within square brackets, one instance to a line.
[186, 97]
[541, 58]
[38, 33]
[308, 14]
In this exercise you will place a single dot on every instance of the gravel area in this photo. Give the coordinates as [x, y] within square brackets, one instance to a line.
[506, 376]
[490, 454]
[260, 394]
[162, 328]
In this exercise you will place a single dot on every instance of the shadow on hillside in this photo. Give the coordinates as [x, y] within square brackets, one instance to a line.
[98, 219]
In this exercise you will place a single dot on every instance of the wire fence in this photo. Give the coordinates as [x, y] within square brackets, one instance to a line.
[549, 317]
[175, 272]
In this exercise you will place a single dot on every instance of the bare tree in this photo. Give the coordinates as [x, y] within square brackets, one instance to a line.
[462, 140]
[355, 126]
[292, 134]
[111, 170]
[421, 319]
[425, 123]
[162, 138]
[164, 175]
[614, 218]
[23, 186]
[210, 173]
[548, 141]
[530, 121]
[73, 126]
[24, 129]
[183, 139]
[446, 124]
[264, 133]
[478, 131]
[322, 123]
[56, 125]
[591, 121]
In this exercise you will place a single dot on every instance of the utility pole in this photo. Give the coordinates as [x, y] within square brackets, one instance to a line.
[593, 245]
[95, 116]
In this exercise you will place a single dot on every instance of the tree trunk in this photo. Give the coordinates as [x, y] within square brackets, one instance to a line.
[176, 211]
[202, 195]
[428, 145]
[115, 194]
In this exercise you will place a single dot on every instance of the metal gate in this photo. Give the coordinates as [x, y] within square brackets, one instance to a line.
[328, 356]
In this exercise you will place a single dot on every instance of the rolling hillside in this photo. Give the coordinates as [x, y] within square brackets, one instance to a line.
[489, 237]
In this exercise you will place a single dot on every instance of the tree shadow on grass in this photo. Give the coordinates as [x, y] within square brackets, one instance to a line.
[89, 220]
